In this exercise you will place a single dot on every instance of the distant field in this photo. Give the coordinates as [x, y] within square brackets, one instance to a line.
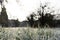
[27, 33]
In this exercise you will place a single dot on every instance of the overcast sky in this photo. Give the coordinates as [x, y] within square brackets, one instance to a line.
[22, 8]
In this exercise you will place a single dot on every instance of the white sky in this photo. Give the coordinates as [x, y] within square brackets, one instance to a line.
[22, 8]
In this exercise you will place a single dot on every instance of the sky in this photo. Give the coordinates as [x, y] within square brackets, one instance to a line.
[22, 8]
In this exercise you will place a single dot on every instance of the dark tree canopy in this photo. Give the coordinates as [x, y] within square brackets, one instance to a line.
[31, 20]
[4, 17]
[44, 18]
[17, 23]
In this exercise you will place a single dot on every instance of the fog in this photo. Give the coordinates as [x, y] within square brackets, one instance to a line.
[22, 8]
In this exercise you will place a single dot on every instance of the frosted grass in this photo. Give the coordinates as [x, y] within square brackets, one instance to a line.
[29, 33]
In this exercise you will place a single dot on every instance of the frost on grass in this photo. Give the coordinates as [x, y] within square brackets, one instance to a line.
[28, 34]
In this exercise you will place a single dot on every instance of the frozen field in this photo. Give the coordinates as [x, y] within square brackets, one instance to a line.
[25, 33]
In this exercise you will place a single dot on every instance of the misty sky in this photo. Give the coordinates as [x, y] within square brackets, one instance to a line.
[22, 8]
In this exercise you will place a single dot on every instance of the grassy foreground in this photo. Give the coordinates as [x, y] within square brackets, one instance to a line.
[26, 33]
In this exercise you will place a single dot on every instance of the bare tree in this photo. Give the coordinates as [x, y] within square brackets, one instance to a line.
[45, 18]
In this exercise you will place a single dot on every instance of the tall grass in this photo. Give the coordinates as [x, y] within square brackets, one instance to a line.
[28, 34]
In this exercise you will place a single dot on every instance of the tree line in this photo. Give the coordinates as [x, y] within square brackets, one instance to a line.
[44, 19]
